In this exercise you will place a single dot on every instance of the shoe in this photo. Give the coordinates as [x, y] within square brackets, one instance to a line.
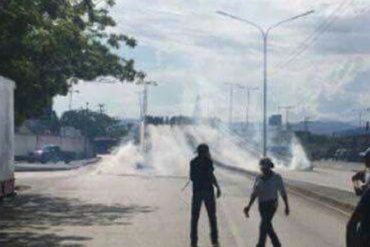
[216, 245]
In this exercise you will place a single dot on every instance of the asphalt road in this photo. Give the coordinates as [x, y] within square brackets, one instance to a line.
[332, 178]
[141, 208]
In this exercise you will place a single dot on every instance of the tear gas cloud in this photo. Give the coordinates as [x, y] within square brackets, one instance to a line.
[170, 150]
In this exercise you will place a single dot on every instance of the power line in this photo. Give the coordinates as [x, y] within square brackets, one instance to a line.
[318, 32]
[314, 36]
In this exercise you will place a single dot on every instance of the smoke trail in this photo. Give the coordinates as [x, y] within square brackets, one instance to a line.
[169, 153]
[300, 160]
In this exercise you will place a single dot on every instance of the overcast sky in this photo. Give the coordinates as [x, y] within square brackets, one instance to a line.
[191, 51]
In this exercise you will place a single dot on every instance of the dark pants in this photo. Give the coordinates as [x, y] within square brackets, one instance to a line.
[267, 211]
[357, 237]
[210, 202]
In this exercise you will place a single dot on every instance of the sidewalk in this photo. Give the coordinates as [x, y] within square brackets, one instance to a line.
[38, 167]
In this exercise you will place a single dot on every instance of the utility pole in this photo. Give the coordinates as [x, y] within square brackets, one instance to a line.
[197, 114]
[85, 127]
[101, 108]
[231, 103]
[287, 112]
[265, 33]
[249, 90]
[361, 114]
[144, 112]
[71, 92]
[140, 97]
[232, 87]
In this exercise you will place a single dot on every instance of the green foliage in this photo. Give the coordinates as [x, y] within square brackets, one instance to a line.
[325, 147]
[50, 122]
[46, 43]
[93, 124]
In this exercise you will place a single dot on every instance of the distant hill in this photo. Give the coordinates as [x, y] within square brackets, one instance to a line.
[325, 127]
[353, 132]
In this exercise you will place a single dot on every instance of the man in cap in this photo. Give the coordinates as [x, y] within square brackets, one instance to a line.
[361, 179]
[358, 227]
[266, 189]
[203, 180]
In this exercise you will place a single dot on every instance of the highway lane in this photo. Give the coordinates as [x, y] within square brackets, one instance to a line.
[141, 208]
[337, 179]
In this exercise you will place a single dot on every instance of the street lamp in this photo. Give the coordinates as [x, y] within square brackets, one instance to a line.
[265, 34]
[249, 90]
[144, 111]
[231, 100]
[71, 92]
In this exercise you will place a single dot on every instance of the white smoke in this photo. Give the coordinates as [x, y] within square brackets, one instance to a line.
[123, 160]
[170, 150]
[300, 160]
[224, 147]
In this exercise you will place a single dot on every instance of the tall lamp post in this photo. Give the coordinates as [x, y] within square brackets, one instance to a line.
[249, 90]
[71, 92]
[233, 87]
[265, 34]
[145, 111]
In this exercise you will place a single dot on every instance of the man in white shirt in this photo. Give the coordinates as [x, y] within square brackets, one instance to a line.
[266, 188]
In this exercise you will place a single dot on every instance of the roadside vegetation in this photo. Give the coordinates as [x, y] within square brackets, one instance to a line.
[346, 148]
[48, 45]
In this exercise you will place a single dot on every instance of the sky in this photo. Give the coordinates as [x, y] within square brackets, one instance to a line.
[318, 64]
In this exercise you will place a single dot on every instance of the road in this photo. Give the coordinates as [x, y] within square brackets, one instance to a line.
[333, 178]
[123, 206]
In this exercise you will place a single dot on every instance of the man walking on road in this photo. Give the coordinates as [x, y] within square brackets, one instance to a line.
[266, 188]
[203, 180]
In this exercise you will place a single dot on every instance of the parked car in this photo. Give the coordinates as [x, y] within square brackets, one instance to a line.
[50, 153]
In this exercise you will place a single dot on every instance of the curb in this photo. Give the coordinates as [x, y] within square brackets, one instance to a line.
[45, 168]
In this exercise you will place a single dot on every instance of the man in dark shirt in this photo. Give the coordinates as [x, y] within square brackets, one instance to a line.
[203, 180]
[358, 228]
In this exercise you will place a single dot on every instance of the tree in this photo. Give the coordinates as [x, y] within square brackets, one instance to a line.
[92, 124]
[47, 45]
